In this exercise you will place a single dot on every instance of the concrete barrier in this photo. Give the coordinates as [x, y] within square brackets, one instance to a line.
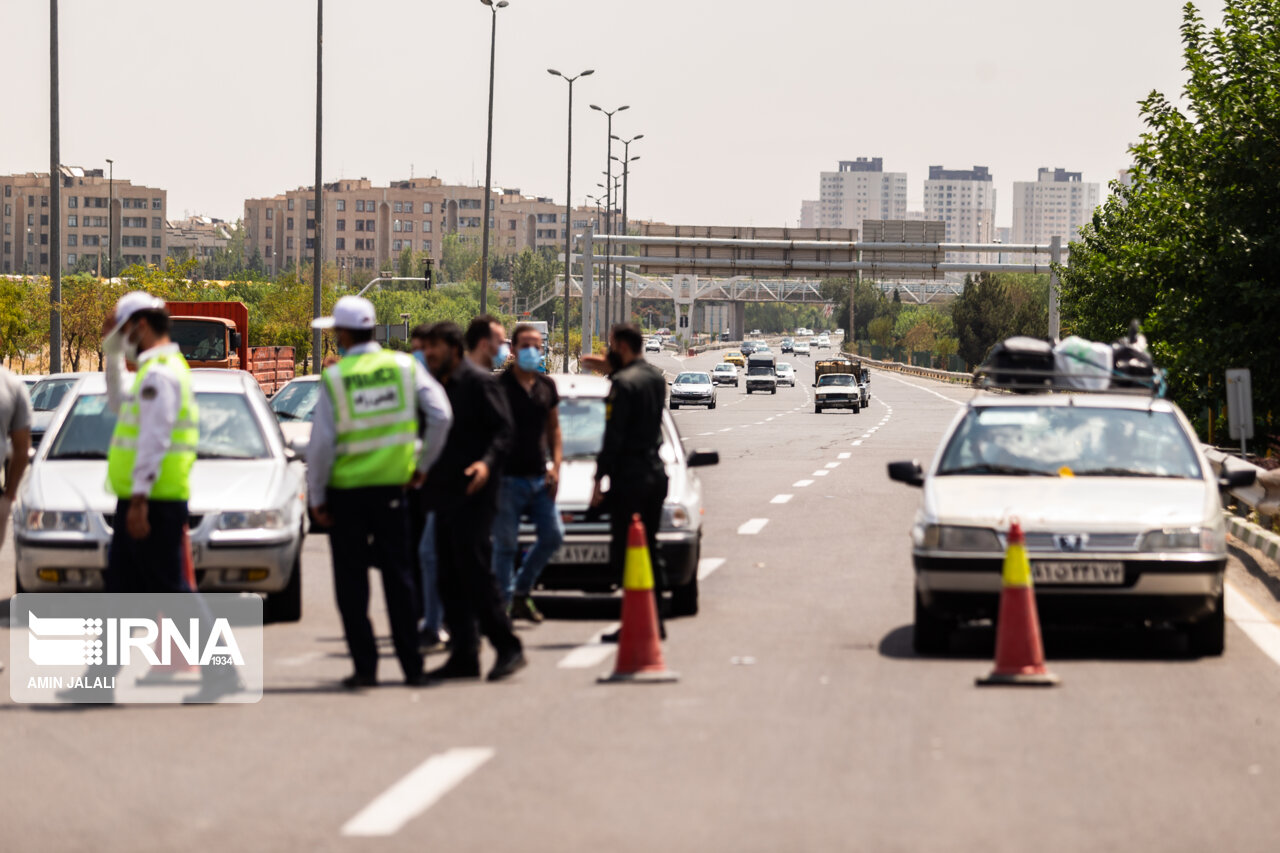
[912, 370]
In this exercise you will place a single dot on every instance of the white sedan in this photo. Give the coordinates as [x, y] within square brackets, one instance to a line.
[787, 374]
[725, 373]
[801, 348]
[247, 509]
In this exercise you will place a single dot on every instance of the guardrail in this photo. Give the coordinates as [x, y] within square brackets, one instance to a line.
[1263, 497]
[913, 370]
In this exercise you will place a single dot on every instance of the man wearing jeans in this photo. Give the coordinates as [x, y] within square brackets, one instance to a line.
[528, 484]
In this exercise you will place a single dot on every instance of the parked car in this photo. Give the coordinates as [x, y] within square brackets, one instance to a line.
[583, 561]
[786, 374]
[248, 497]
[294, 406]
[693, 388]
[1120, 510]
[46, 396]
[725, 373]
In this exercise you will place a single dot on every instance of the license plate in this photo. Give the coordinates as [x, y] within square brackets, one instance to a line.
[577, 554]
[1072, 572]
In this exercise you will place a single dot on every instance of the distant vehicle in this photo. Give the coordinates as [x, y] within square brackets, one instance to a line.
[1121, 513]
[294, 406]
[748, 347]
[653, 345]
[800, 348]
[216, 334]
[725, 373]
[762, 373]
[30, 379]
[814, 342]
[787, 374]
[737, 359]
[824, 342]
[803, 332]
[840, 332]
[786, 344]
[583, 563]
[46, 396]
[755, 333]
[248, 497]
[664, 331]
[837, 391]
[693, 389]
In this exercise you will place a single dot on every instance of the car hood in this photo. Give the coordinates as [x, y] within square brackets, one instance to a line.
[824, 390]
[688, 388]
[216, 485]
[1057, 504]
[578, 480]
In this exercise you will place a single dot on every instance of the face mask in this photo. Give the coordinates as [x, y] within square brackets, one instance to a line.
[529, 359]
[615, 360]
[501, 356]
[342, 351]
[420, 356]
[130, 349]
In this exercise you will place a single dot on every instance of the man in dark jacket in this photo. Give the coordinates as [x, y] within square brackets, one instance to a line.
[462, 488]
[629, 456]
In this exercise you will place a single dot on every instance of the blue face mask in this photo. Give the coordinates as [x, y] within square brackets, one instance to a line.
[529, 359]
[342, 351]
[503, 353]
[420, 356]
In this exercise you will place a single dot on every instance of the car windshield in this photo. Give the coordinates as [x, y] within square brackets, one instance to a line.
[296, 401]
[581, 426]
[200, 340]
[835, 379]
[693, 379]
[759, 371]
[724, 367]
[1087, 441]
[48, 393]
[228, 429]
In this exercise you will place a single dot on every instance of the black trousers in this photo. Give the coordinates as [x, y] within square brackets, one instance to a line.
[641, 493]
[371, 528]
[468, 589]
[153, 564]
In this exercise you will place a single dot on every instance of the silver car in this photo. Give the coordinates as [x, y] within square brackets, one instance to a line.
[583, 563]
[294, 406]
[248, 497]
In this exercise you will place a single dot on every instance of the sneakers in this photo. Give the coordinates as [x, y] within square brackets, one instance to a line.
[358, 681]
[454, 671]
[522, 607]
[430, 642]
[508, 664]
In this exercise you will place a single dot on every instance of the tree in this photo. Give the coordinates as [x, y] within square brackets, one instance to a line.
[458, 257]
[1191, 248]
[994, 307]
[880, 330]
[920, 326]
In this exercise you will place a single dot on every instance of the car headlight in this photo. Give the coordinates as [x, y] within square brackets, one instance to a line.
[675, 515]
[268, 519]
[44, 521]
[945, 537]
[1185, 539]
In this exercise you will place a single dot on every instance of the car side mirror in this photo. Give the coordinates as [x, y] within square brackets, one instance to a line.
[235, 340]
[702, 458]
[290, 454]
[907, 472]
[1236, 478]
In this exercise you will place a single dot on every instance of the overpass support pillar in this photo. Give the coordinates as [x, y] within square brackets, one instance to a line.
[684, 289]
[738, 327]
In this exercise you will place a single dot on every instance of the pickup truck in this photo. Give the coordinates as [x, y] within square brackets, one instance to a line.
[762, 374]
[216, 334]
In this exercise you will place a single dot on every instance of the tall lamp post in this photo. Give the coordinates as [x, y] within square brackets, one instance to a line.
[111, 223]
[55, 199]
[494, 6]
[568, 209]
[627, 160]
[613, 185]
[317, 246]
[608, 205]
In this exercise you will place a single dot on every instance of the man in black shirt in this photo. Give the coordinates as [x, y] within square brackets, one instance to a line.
[528, 484]
[462, 488]
[629, 456]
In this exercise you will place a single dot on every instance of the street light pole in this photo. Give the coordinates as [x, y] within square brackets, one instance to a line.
[55, 200]
[111, 225]
[317, 253]
[488, 158]
[608, 209]
[627, 159]
[568, 210]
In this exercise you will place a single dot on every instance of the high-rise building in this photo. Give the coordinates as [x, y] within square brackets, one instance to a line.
[809, 213]
[860, 189]
[1057, 204]
[965, 199]
[91, 204]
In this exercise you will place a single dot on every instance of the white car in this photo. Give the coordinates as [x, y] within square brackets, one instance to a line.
[824, 342]
[725, 373]
[800, 348]
[786, 374]
[294, 407]
[693, 388]
[1120, 510]
[837, 391]
[653, 345]
[247, 508]
[583, 561]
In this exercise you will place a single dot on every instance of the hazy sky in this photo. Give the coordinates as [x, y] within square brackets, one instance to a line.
[742, 103]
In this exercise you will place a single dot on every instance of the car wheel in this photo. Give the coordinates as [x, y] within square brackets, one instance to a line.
[857, 410]
[817, 410]
[931, 634]
[17, 582]
[675, 406]
[286, 605]
[712, 405]
[1208, 637]
[684, 599]
[773, 390]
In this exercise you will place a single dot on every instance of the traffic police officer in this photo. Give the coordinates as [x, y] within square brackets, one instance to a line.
[629, 454]
[363, 455]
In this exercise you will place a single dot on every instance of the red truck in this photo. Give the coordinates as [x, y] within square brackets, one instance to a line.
[216, 334]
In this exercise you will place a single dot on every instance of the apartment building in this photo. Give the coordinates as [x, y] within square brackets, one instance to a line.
[859, 190]
[93, 208]
[809, 213]
[1057, 204]
[366, 227]
[965, 199]
[197, 237]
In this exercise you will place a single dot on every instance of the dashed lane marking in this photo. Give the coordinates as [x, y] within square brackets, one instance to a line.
[833, 465]
[422, 788]
[821, 472]
[707, 565]
[781, 499]
[591, 653]
[800, 484]
[856, 443]
[843, 455]
[752, 526]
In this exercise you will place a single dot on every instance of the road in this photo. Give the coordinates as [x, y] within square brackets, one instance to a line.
[802, 720]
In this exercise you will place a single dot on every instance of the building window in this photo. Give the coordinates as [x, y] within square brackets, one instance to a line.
[155, 242]
[359, 224]
[311, 225]
[8, 191]
[396, 226]
[290, 204]
[288, 224]
[157, 204]
[342, 204]
[44, 201]
[511, 225]
[426, 246]
[133, 222]
[44, 239]
[311, 242]
[91, 240]
[398, 207]
[156, 223]
[397, 245]
[408, 225]
[426, 205]
[288, 242]
[311, 204]
[71, 220]
[270, 213]
[31, 219]
[360, 205]
[368, 225]
[269, 229]
[73, 201]
[342, 225]
[426, 226]
[155, 259]
[71, 259]
[340, 244]
[44, 219]
[359, 244]
[71, 239]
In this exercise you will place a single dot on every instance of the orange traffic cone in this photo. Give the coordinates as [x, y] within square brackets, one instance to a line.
[1019, 650]
[165, 673]
[639, 649]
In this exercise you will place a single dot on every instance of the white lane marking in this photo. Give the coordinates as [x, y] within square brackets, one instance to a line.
[726, 429]
[707, 565]
[873, 429]
[924, 389]
[845, 455]
[856, 443]
[705, 433]
[833, 465]
[759, 423]
[752, 526]
[1264, 633]
[418, 791]
[781, 499]
[591, 653]
[769, 419]
[866, 435]
[822, 472]
[299, 660]
[800, 484]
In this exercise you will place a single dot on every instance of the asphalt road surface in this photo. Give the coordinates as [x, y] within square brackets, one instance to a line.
[802, 720]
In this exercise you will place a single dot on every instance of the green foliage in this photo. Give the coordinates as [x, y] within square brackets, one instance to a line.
[1192, 247]
[459, 258]
[919, 327]
[997, 306]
